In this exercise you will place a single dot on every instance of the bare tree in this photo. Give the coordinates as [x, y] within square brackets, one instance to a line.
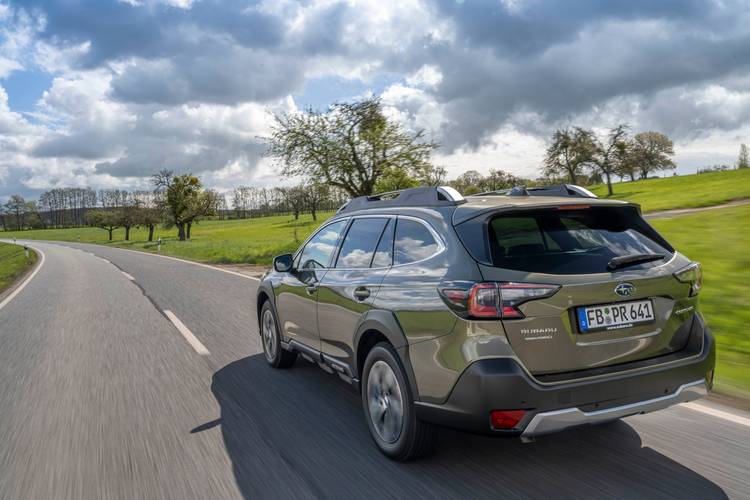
[607, 154]
[570, 151]
[349, 147]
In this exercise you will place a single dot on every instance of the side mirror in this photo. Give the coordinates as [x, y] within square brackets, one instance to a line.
[283, 263]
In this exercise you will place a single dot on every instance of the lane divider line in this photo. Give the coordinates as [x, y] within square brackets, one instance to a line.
[192, 339]
[128, 276]
[737, 419]
[20, 287]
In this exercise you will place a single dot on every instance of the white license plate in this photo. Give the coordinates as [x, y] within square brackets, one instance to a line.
[615, 316]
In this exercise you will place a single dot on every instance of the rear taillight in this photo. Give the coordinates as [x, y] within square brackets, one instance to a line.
[693, 275]
[494, 300]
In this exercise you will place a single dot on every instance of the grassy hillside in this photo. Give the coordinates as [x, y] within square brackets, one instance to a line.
[13, 263]
[249, 241]
[720, 240]
[684, 191]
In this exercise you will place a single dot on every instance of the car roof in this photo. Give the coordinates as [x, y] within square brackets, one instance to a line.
[476, 205]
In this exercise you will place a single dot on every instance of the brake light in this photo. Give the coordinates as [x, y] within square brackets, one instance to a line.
[573, 207]
[494, 300]
[693, 275]
[505, 419]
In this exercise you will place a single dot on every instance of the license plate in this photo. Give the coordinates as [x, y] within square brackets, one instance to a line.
[615, 316]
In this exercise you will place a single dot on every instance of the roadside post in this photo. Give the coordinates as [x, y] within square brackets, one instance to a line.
[158, 245]
[26, 251]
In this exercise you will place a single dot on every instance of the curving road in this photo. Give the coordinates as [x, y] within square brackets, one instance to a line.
[127, 375]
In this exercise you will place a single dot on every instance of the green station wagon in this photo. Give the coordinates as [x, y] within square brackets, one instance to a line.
[517, 313]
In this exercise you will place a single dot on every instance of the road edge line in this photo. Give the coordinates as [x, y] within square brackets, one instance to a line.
[186, 333]
[724, 415]
[27, 280]
[201, 264]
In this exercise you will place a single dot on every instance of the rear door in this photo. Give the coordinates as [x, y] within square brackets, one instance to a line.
[600, 316]
[349, 288]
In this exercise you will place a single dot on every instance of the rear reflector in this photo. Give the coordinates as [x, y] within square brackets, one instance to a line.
[505, 419]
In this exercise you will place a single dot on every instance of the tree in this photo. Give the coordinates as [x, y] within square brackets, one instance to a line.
[744, 159]
[105, 219]
[434, 176]
[181, 200]
[314, 194]
[569, 152]
[15, 207]
[652, 151]
[607, 154]
[129, 216]
[468, 182]
[294, 197]
[351, 146]
[149, 217]
[394, 179]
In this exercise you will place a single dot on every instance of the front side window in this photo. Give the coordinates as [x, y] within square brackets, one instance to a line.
[319, 250]
[413, 242]
[358, 247]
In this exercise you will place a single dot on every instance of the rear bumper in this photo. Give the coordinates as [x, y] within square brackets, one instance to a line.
[501, 384]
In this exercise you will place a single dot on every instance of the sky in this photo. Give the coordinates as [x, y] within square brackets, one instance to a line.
[103, 93]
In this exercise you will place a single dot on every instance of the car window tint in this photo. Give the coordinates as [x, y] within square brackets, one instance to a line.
[384, 253]
[413, 242]
[318, 251]
[359, 244]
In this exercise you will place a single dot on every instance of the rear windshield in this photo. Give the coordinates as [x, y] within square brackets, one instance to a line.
[577, 241]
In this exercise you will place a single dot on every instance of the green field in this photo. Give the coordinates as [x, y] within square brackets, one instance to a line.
[684, 191]
[13, 263]
[719, 240]
[249, 241]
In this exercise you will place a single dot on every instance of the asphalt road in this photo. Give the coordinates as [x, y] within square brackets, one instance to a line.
[102, 396]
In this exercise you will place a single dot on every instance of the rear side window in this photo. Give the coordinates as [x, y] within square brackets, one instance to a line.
[358, 247]
[413, 242]
[571, 241]
[319, 250]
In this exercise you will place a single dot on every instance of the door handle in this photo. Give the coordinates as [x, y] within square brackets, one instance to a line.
[361, 293]
[311, 289]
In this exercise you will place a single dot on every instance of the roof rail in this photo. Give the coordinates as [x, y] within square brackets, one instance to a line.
[413, 197]
[563, 190]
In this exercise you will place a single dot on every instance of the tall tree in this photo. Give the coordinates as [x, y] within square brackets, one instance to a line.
[16, 208]
[570, 151]
[351, 146]
[394, 179]
[744, 159]
[652, 151]
[178, 194]
[608, 153]
[314, 195]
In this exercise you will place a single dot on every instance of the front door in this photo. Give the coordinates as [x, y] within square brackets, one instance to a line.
[297, 294]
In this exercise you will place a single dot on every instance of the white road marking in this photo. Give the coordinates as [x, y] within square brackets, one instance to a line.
[737, 419]
[20, 287]
[128, 276]
[192, 339]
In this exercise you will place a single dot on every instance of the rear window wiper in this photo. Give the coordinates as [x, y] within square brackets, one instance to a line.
[636, 258]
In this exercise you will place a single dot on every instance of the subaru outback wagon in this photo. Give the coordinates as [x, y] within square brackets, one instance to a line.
[514, 313]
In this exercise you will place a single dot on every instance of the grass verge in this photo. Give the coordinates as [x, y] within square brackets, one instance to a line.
[13, 263]
[684, 191]
[249, 241]
[719, 240]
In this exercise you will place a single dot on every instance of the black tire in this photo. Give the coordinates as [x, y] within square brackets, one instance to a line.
[415, 438]
[275, 354]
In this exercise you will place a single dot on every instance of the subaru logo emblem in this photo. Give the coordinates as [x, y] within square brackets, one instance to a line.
[625, 289]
